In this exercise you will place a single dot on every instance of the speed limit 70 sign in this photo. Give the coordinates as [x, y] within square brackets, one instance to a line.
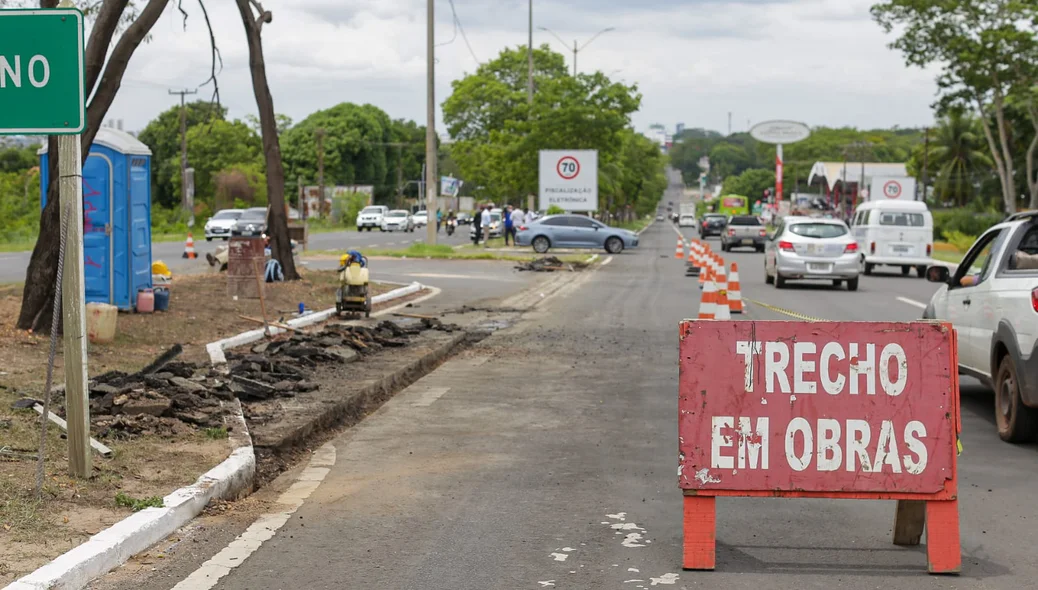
[569, 179]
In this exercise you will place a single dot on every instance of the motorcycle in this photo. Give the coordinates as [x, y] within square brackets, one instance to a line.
[451, 225]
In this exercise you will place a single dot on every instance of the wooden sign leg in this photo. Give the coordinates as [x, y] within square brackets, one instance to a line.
[909, 520]
[943, 549]
[700, 524]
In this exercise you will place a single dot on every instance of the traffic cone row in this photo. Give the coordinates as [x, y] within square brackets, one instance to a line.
[680, 252]
[189, 247]
[722, 295]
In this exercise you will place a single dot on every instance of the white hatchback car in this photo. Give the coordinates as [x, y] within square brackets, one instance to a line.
[809, 248]
[992, 301]
[397, 220]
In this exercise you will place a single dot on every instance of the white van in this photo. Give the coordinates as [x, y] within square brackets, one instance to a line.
[894, 233]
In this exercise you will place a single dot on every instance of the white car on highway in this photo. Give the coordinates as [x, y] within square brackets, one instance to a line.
[421, 218]
[370, 217]
[397, 220]
[808, 248]
[219, 225]
[992, 301]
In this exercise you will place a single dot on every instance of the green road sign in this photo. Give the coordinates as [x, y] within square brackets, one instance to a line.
[41, 72]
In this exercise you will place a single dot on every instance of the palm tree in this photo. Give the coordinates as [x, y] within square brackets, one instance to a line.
[958, 154]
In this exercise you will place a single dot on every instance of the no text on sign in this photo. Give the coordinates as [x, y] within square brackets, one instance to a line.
[568, 179]
[41, 72]
[864, 410]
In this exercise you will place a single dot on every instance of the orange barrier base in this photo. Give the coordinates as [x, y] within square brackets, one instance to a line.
[941, 519]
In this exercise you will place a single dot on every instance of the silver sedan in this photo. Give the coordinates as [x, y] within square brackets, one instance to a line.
[574, 231]
[806, 248]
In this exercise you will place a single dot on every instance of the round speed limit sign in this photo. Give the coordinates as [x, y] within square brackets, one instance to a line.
[568, 167]
[892, 189]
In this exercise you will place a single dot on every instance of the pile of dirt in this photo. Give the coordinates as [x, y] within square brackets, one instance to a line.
[550, 264]
[171, 397]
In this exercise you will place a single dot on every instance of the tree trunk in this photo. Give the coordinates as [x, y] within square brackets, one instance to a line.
[1009, 189]
[1006, 181]
[42, 273]
[277, 220]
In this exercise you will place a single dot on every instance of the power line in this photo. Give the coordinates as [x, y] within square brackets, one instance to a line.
[461, 29]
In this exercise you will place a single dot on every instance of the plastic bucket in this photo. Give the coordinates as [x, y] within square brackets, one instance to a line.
[101, 320]
[161, 299]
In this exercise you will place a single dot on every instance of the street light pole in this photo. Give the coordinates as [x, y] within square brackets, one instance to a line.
[576, 48]
[529, 60]
[430, 127]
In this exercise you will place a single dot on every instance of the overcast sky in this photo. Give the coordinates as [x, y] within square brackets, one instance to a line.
[823, 62]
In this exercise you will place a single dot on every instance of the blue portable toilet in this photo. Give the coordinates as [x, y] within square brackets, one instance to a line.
[116, 217]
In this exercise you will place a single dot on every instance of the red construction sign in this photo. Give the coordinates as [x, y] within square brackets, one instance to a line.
[865, 410]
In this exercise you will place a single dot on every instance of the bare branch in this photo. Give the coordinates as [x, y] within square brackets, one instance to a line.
[216, 60]
[101, 34]
[111, 79]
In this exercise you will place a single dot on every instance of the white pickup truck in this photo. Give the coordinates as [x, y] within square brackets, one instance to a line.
[992, 301]
[370, 217]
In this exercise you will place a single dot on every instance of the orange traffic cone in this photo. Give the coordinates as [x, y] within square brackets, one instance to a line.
[680, 252]
[693, 247]
[721, 312]
[734, 291]
[189, 247]
[708, 301]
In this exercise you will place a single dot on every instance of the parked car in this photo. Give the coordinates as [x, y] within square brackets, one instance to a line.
[463, 218]
[219, 225]
[251, 224]
[687, 221]
[421, 218]
[496, 227]
[894, 233]
[744, 231]
[370, 217]
[991, 299]
[574, 231]
[712, 224]
[805, 248]
[397, 220]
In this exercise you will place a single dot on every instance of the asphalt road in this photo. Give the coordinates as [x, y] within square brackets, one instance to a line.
[14, 264]
[526, 462]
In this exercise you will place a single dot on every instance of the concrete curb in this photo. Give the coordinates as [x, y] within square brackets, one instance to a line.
[111, 547]
[232, 478]
[216, 349]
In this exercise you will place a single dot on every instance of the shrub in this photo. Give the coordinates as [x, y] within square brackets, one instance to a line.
[555, 210]
[963, 221]
[959, 240]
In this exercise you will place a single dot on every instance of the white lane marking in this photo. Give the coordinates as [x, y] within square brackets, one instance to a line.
[430, 395]
[547, 583]
[668, 579]
[560, 556]
[912, 302]
[265, 527]
[607, 261]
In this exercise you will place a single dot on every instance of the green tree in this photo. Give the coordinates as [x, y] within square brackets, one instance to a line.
[17, 159]
[728, 159]
[498, 134]
[215, 146]
[162, 136]
[359, 148]
[751, 183]
[987, 49]
[958, 153]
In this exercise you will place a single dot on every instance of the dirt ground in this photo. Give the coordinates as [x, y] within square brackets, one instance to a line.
[32, 532]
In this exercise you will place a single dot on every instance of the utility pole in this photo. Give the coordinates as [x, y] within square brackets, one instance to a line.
[430, 126]
[729, 123]
[926, 161]
[300, 200]
[319, 134]
[183, 147]
[576, 50]
[529, 60]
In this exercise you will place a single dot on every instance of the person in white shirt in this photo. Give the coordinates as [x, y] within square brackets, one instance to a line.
[485, 223]
[517, 220]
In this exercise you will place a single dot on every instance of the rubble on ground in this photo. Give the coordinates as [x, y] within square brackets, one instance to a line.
[550, 264]
[174, 396]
